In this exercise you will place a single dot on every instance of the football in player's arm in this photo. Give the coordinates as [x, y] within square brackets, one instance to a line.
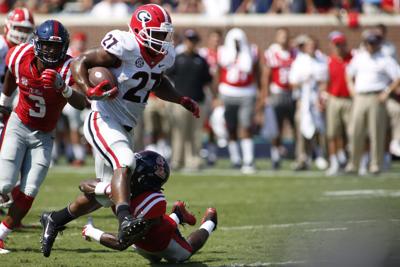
[138, 59]
[41, 72]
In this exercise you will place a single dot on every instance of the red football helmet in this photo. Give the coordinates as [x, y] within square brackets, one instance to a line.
[19, 25]
[152, 27]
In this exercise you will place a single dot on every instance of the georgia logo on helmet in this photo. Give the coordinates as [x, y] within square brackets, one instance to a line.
[19, 26]
[152, 26]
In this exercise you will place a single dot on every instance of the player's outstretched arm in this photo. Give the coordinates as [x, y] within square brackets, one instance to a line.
[109, 240]
[97, 57]
[166, 91]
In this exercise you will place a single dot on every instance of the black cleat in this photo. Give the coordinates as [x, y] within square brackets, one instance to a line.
[210, 215]
[50, 231]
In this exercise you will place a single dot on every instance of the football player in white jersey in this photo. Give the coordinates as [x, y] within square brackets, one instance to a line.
[138, 59]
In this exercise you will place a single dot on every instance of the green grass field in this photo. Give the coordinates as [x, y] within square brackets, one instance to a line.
[267, 219]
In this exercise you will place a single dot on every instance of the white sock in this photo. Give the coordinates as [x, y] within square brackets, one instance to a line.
[234, 154]
[4, 231]
[208, 226]
[364, 161]
[275, 155]
[93, 233]
[174, 217]
[341, 156]
[333, 161]
[79, 151]
[247, 146]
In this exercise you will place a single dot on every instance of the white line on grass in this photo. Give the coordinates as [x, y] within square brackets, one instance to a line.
[327, 229]
[256, 264]
[362, 193]
[300, 224]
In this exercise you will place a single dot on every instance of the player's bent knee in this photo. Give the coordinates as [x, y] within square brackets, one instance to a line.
[127, 159]
[31, 191]
[6, 188]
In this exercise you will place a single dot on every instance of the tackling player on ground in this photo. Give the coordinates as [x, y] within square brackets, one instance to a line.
[156, 234]
[138, 59]
[41, 73]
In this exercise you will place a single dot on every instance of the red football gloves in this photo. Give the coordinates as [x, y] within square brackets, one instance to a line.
[52, 79]
[98, 93]
[190, 105]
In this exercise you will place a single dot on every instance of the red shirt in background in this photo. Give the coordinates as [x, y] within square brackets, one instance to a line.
[337, 76]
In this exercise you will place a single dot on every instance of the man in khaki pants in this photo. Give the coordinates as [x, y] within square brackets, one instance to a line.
[190, 74]
[338, 102]
[371, 77]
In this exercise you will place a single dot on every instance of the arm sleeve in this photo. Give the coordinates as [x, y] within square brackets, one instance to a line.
[113, 43]
[392, 69]
[351, 69]
[158, 210]
[9, 62]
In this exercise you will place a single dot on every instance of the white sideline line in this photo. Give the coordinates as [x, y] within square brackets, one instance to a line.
[300, 224]
[256, 264]
[363, 193]
[327, 229]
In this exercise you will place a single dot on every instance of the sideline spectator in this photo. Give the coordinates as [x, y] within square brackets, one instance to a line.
[308, 72]
[190, 74]
[338, 105]
[371, 77]
[275, 89]
[210, 54]
[238, 78]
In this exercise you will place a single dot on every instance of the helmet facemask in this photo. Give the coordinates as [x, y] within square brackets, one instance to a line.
[158, 39]
[50, 53]
[18, 33]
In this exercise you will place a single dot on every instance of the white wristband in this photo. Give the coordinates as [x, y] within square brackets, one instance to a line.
[94, 233]
[67, 92]
[5, 100]
[102, 188]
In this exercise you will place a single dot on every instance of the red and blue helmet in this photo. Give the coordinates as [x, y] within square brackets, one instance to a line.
[151, 172]
[51, 41]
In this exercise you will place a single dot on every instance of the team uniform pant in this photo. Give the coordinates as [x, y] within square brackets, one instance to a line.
[393, 109]
[26, 152]
[186, 137]
[338, 113]
[112, 145]
[369, 116]
[239, 111]
[178, 250]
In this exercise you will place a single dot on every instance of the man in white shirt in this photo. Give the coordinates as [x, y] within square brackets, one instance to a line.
[371, 77]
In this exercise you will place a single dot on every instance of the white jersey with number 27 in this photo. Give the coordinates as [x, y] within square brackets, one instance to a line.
[137, 75]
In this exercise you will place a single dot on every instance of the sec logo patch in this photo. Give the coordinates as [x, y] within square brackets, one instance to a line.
[139, 62]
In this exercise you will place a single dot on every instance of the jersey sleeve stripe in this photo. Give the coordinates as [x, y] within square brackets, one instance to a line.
[17, 61]
[13, 55]
[66, 71]
[149, 206]
[146, 200]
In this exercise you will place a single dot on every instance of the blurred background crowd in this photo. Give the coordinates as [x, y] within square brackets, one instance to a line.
[312, 97]
[208, 7]
[336, 110]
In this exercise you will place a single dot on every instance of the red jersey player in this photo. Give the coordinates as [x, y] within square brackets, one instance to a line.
[41, 72]
[157, 235]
